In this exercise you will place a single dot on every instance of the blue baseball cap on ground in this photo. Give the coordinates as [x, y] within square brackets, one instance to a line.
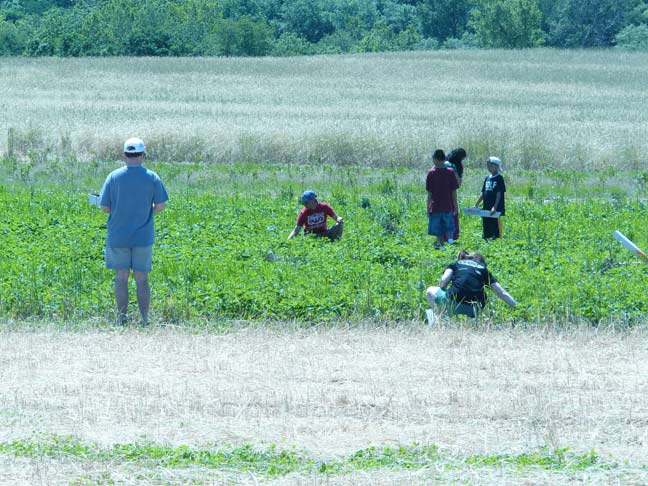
[308, 195]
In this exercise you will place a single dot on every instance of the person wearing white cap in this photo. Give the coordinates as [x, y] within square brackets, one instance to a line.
[131, 196]
[492, 194]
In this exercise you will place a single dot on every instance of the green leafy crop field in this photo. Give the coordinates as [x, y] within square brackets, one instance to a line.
[221, 250]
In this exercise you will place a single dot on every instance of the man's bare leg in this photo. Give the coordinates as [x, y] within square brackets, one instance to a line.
[121, 294]
[143, 294]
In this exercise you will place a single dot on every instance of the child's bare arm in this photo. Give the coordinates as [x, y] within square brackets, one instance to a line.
[503, 294]
[445, 278]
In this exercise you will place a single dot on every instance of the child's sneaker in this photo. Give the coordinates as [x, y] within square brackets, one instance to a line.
[450, 241]
[431, 317]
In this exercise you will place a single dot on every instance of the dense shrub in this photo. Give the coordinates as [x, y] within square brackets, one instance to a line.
[633, 37]
[12, 40]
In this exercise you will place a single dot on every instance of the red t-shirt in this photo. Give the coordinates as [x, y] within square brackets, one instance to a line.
[440, 183]
[314, 220]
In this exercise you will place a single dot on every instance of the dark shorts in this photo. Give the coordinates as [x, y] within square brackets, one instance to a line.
[139, 258]
[333, 233]
[455, 308]
[440, 223]
[492, 228]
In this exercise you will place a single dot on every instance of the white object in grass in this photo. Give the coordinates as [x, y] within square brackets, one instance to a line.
[621, 238]
[483, 213]
[93, 199]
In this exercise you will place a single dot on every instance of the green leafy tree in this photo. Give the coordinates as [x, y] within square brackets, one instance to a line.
[352, 16]
[382, 38]
[591, 23]
[508, 23]
[11, 11]
[399, 15]
[255, 38]
[260, 27]
[242, 37]
[379, 39]
[633, 37]
[190, 22]
[119, 26]
[37, 7]
[291, 44]
[12, 39]
[338, 42]
[148, 41]
[637, 14]
[306, 18]
[59, 33]
[443, 19]
[258, 10]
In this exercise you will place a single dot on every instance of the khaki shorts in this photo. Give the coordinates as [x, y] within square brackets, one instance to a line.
[139, 258]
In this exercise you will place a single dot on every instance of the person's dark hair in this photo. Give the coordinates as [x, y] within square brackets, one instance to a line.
[457, 157]
[438, 155]
[476, 256]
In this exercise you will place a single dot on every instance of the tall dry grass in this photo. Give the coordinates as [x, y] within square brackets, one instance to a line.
[334, 391]
[535, 108]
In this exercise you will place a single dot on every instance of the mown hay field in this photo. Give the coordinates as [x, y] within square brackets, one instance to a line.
[268, 404]
[535, 108]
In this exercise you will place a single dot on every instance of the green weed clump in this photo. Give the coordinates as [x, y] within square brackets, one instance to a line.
[272, 462]
[221, 250]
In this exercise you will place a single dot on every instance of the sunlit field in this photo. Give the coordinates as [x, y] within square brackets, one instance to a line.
[534, 109]
[308, 362]
[271, 404]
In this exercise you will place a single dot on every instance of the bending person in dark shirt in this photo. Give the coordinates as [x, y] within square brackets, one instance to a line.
[469, 277]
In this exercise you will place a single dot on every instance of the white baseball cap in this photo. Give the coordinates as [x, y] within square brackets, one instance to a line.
[494, 160]
[134, 146]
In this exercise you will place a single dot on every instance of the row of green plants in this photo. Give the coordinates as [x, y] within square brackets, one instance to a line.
[272, 461]
[221, 250]
[294, 27]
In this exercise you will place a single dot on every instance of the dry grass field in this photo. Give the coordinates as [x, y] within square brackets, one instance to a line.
[534, 108]
[330, 392]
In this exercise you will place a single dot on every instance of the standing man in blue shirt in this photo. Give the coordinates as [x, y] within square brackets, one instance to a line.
[131, 196]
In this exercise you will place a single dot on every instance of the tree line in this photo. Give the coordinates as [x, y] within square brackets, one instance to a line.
[301, 27]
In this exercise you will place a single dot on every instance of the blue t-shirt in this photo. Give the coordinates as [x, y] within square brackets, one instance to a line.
[130, 192]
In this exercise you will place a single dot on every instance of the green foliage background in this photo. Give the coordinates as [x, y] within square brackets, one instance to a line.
[295, 27]
[221, 248]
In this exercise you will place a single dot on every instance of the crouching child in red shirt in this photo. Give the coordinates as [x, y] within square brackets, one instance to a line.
[313, 218]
